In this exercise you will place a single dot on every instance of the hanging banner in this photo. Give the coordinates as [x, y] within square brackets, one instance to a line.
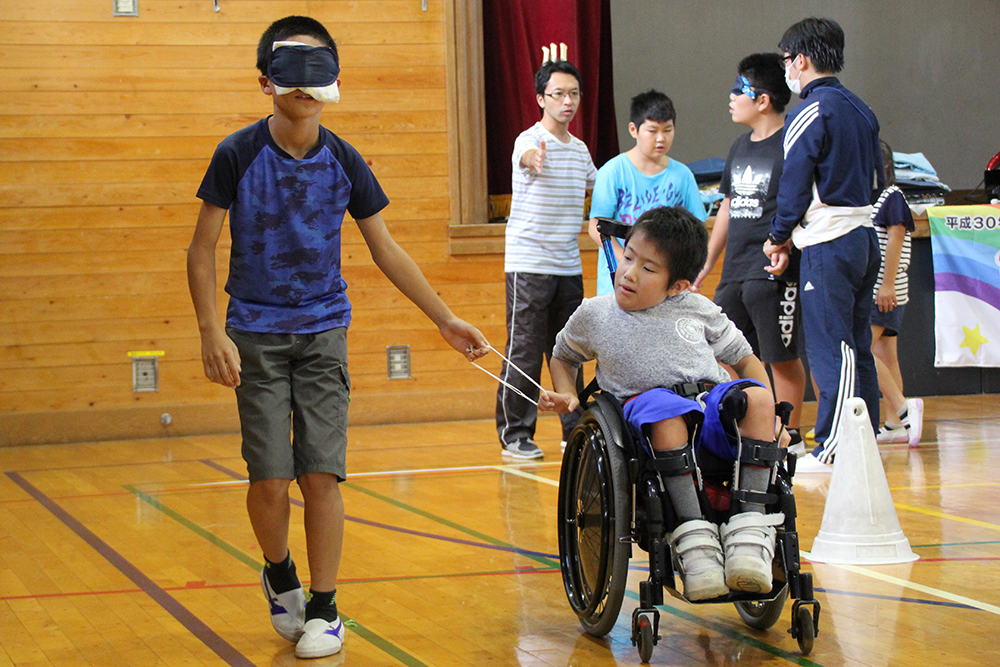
[965, 241]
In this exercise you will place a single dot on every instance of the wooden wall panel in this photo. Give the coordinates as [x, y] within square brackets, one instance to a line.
[106, 127]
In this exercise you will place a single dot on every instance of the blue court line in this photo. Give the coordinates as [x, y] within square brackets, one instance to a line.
[707, 624]
[549, 560]
[894, 598]
[192, 623]
[455, 540]
[732, 634]
[358, 629]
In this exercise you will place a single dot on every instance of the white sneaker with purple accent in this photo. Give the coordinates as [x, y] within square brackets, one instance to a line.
[288, 610]
[320, 638]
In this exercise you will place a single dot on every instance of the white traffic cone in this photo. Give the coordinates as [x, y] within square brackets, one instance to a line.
[860, 526]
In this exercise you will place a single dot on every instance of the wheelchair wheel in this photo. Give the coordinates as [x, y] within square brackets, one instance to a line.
[806, 631]
[594, 523]
[762, 615]
[646, 639]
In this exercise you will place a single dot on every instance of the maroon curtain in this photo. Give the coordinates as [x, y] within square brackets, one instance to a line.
[514, 32]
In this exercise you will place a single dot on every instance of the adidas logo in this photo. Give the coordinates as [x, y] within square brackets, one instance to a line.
[808, 287]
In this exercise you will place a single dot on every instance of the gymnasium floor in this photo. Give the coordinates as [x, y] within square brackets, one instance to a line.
[140, 553]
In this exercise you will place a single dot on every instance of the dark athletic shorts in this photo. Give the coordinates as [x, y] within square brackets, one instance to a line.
[292, 398]
[767, 312]
[890, 321]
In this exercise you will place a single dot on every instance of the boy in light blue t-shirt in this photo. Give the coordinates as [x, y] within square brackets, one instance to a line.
[642, 178]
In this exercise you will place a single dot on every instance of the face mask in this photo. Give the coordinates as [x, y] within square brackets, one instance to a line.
[794, 85]
[311, 69]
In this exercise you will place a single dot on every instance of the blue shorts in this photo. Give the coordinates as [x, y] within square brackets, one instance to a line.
[891, 321]
[658, 404]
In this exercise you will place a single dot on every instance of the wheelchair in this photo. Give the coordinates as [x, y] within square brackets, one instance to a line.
[610, 497]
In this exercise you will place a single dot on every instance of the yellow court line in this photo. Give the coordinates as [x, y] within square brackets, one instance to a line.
[528, 475]
[941, 515]
[993, 609]
[942, 486]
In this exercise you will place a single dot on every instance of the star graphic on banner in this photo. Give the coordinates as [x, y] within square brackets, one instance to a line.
[973, 339]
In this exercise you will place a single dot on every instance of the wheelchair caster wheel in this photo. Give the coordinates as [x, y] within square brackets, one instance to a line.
[805, 631]
[645, 639]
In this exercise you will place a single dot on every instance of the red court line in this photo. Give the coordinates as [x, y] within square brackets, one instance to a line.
[226, 651]
[201, 585]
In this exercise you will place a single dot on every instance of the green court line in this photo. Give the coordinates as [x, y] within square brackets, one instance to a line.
[548, 562]
[375, 640]
[732, 634]
[411, 661]
[233, 551]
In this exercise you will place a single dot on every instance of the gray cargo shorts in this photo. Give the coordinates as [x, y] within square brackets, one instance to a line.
[292, 398]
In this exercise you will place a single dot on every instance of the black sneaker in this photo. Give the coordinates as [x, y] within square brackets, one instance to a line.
[522, 449]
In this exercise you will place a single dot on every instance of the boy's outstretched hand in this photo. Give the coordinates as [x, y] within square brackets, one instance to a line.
[465, 338]
[561, 403]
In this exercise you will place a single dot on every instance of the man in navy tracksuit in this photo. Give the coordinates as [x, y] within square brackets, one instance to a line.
[832, 175]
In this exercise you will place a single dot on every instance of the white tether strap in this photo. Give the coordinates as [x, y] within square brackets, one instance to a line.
[507, 384]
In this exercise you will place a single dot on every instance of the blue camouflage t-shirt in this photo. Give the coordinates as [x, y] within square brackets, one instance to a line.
[285, 216]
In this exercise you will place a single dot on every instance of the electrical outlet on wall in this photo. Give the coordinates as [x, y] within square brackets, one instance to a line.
[125, 7]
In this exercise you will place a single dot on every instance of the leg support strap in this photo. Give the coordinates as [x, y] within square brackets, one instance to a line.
[674, 462]
[761, 452]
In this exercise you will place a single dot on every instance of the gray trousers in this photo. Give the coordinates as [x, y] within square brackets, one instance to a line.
[538, 307]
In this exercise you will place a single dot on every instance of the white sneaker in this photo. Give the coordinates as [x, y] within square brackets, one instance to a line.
[810, 464]
[562, 445]
[748, 540]
[799, 449]
[914, 420]
[288, 610]
[320, 638]
[698, 557]
[892, 435]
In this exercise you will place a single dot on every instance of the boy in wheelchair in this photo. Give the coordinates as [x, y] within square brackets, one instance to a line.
[653, 333]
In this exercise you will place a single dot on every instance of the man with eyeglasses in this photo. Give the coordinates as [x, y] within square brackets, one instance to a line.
[552, 171]
[832, 176]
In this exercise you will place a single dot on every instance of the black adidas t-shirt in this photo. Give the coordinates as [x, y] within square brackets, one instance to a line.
[750, 180]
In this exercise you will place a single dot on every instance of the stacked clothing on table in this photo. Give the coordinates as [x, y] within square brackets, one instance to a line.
[918, 180]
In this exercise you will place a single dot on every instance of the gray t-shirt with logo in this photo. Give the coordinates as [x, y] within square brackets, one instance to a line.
[679, 340]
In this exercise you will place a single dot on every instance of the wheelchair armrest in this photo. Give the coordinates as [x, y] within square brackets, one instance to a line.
[610, 227]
